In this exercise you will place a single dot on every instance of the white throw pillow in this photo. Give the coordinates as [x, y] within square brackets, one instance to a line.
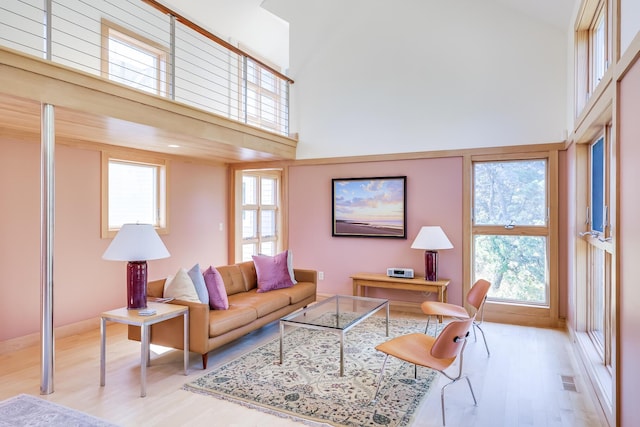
[290, 266]
[181, 287]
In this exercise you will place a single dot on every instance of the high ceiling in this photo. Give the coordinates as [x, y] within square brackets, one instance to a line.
[249, 23]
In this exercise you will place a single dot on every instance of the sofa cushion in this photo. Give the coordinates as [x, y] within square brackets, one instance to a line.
[181, 287]
[248, 269]
[232, 277]
[217, 299]
[223, 321]
[198, 281]
[299, 292]
[262, 303]
[272, 272]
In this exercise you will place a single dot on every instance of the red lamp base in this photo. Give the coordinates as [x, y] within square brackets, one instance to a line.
[136, 284]
[431, 265]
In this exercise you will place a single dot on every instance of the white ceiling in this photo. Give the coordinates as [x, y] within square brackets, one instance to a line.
[249, 23]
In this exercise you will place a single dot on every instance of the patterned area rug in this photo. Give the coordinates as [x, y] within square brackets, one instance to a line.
[26, 410]
[308, 386]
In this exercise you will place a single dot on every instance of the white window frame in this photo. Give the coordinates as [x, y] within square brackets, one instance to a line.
[258, 239]
[161, 198]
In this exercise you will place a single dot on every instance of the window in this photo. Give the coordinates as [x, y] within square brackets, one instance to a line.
[597, 207]
[133, 191]
[595, 262]
[260, 224]
[597, 44]
[266, 98]
[593, 48]
[511, 230]
[599, 252]
[133, 60]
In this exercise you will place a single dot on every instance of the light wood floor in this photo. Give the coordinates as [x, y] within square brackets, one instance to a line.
[519, 385]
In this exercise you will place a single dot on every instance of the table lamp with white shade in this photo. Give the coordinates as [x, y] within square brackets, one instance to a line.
[136, 243]
[431, 239]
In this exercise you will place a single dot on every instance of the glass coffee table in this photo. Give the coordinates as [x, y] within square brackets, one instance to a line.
[338, 313]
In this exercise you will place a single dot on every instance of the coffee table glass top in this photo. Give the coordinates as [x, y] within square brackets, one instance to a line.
[339, 312]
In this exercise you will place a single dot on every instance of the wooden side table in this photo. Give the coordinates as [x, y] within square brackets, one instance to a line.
[131, 317]
[418, 284]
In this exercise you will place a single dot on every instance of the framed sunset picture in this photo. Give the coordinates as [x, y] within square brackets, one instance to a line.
[370, 207]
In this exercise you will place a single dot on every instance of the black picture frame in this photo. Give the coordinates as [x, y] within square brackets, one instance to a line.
[369, 207]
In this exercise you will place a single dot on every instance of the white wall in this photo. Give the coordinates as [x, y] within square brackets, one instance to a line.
[388, 76]
[629, 22]
[242, 21]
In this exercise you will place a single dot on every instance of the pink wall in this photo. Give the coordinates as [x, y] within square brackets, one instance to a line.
[20, 242]
[84, 283]
[628, 372]
[434, 197]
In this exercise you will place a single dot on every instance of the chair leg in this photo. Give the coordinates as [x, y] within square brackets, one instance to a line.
[426, 330]
[375, 396]
[444, 423]
[484, 338]
[475, 402]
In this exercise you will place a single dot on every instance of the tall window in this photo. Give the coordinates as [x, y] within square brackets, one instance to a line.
[266, 98]
[593, 48]
[597, 45]
[599, 252]
[511, 229]
[133, 60]
[133, 191]
[260, 213]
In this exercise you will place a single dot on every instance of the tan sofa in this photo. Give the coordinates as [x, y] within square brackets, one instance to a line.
[248, 310]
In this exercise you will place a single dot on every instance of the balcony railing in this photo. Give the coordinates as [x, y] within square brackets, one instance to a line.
[145, 45]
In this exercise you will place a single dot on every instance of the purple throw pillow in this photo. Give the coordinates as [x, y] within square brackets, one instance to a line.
[272, 272]
[215, 286]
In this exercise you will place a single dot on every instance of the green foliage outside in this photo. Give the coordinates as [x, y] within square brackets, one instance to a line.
[505, 194]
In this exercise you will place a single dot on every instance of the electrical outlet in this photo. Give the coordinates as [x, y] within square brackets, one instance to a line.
[320, 275]
[221, 226]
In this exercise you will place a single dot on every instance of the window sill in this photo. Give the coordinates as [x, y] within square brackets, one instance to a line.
[597, 374]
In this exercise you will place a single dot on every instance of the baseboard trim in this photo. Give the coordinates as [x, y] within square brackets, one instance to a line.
[19, 343]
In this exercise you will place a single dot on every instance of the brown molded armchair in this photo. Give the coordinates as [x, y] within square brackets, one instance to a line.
[436, 353]
[476, 297]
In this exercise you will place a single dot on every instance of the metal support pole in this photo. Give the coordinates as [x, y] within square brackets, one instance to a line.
[47, 192]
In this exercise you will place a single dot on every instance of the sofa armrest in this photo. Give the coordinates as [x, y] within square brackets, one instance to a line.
[198, 325]
[170, 332]
[303, 275]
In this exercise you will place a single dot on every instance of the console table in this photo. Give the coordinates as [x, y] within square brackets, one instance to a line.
[419, 284]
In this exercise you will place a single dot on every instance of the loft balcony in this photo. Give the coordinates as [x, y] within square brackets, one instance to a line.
[207, 98]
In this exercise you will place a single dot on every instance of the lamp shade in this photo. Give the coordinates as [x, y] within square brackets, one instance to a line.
[431, 238]
[136, 242]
